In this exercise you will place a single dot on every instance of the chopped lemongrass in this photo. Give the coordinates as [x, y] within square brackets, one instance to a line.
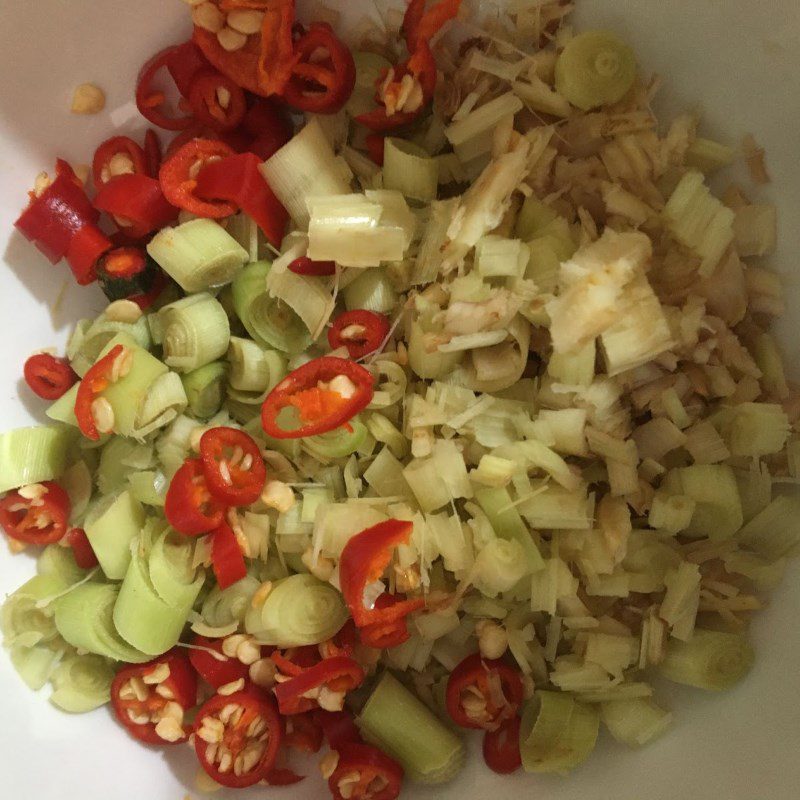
[205, 389]
[410, 170]
[196, 332]
[111, 526]
[711, 660]
[635, 722]
[198, 255]
[33, 455]
[433, 755]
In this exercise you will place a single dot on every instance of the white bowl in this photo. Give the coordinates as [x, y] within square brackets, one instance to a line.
[737, 61]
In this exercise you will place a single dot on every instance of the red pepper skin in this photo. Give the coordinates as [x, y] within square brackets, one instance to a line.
[189, 506]
[150, 101]
[183, 63]
[238, 179]
[300, 389]
[62, 223]
[269, 126]
[205, 103]
[421, 25]
[182, 683]
[296, 660]
[501, 747]
[320, 86]
[375, 329]
[375, 146]
[139, 200]
[152, 153]
[304, 733]
[384, 635]
[226, 557]
[473, 671]
[117, 145]
[239, 486]
[23, 524]
[213, 671]
[179, 186]
[305, 266]
[255, 705]
[339, 728]
[127, 271]
[369, 763]
[49, 377]
[81, 548]
[276, 57]
[241, 66]
[422, 66]
[283, 776]
[340, 674]
[146, 299]
[363, 561]
[94, 382]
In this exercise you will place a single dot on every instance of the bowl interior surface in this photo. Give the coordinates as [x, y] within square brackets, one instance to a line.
[737, 63]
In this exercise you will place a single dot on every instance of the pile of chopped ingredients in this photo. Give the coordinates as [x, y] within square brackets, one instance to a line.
[436, 392]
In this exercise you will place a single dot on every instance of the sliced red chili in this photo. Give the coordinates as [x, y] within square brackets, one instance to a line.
[145, 696]
[233, 466]
[336, 675]
[215, 670]
[241, 66]
[320, 408]
[82, 548]
[216, 100]
[99, 376]
[152, 153]
[239, 180]
[62, 223]
[183, 63]
[305, 266]
[269, 126]
[304, 733]
[126, 272]
[295, 660]
[375, 147]
[276, 57]
[146, 299]
[324, 74]
[422, 67]
[283, 776]
[339, 728]
[226, 557]
[137, 203]
[178, 177]
[42, 520]
[379, 776]
[150, 100]
[421, 25]
[342, 644]
[251, 731]
[49, 377]
[363, 561]
[189, 506]
[116, 156]
[494, 684]
[384, 635]
[361, 332]
[501, 747]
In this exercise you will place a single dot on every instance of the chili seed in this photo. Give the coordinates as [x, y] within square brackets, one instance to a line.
[227, 712]
[250, 757]
[126, 692]
[327, 766]
[41, 183]
[225, 761]
[246, 21]
[211, 753]
[329, 700]
[139, 688]
[248, 652]
[343, 386]
[353, 332]
[231, 688]
[103, 415]
[223, 97]
[88, 99]
[169, 730]
[33, 491]
[208, 17]
[231, 40]
[173, 710]
[120, 164]
[157, 675]
[261, 595]
[262, 673]
[348, 783]
[257, 726]
[165, 692]
[138, 719]
[225, 472]
[230, 644]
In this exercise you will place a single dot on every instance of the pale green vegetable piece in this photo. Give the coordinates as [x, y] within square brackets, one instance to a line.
[635, 722]
[198, 255]
[82, 683]
[205, 389]
[713, 660]
[557, 732]
[111, 525]
[33, 455]
[196, 332]
[22, 621]
[35, 664]
[595, 69]
[394, 720]
[172, 575]
[300, 610]
[409, 169]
